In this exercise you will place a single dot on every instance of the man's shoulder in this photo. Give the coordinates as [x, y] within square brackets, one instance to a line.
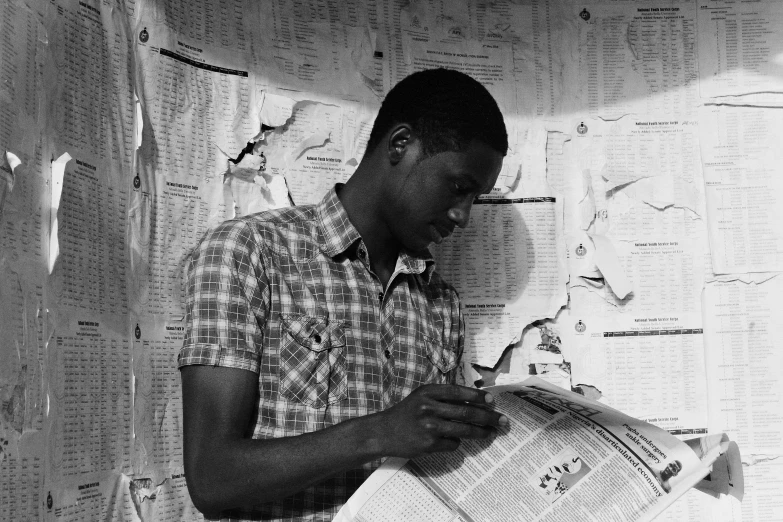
[270, 224]
[293, 229]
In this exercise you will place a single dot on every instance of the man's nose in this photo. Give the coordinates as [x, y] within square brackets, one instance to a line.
[460, 215]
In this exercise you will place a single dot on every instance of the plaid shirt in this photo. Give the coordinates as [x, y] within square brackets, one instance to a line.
[288, 294]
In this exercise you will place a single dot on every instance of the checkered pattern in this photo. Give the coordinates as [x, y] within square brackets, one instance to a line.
[288, 294]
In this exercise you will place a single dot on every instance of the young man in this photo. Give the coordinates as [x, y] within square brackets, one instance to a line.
[319, 339]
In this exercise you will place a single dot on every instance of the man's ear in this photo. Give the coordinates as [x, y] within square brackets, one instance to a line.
[399, 140]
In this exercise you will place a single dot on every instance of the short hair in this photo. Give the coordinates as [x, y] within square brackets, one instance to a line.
[447, 110]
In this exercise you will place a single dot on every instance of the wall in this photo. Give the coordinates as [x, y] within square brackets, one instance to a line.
[630, 249]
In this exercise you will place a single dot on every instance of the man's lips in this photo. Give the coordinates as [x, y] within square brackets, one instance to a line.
[439, 234]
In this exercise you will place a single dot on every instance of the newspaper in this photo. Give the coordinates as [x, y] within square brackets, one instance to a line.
[562, 457]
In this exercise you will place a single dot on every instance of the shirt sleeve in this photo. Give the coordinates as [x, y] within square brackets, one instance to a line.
[227, 295]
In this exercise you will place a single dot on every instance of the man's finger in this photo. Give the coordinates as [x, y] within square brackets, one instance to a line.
[455, 393]
[461, 430]
[466, 412]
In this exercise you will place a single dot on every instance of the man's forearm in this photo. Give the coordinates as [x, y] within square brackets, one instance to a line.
[234, 472]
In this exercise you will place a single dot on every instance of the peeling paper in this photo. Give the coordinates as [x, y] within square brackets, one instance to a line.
[58, 176]
[589, 391]
[276, 110]
[361, 41]
[265, 192]
[317, 139]
[7, 178]
[580, 257]
[153, 494]
[470, 376]
[605, 258]
[138, 122]
[554, 374]
[22, 380]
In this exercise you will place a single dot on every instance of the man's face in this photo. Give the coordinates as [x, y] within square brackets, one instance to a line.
[438, 192]
[671, 470]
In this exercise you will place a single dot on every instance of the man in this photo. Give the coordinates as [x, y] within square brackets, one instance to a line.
[319, 339]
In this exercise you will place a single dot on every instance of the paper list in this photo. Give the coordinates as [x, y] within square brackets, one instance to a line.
[213, 22]
[20, 76]
[646, 366]
[164, 227]
[23, 353]
[90, 273]
[22, 224]
[666, 275]
[741, 156]
[508, 269]
[739, 48]
[95, 109]
[98, 496]
[20, 485]
[92, 411]
[637, 58]
[744, 362]
[158, 400]
[192, 107]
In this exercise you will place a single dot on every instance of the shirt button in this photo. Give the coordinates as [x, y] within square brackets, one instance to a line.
[317, 339]
[387, 353]
[380, 296]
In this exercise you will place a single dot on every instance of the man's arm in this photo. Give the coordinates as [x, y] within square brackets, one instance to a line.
[226, 469]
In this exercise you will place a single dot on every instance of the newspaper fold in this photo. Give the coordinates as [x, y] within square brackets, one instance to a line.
[562, 457]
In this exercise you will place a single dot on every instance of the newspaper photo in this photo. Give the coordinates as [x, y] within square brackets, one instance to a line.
[562, 457]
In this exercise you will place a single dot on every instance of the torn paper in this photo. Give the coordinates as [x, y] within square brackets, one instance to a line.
[276, 110]
[605, 259]
[58, 176]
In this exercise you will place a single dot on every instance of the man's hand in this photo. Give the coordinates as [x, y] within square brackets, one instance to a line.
[435, 418]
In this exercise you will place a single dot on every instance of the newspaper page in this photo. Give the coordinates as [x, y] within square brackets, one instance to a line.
[562, 457]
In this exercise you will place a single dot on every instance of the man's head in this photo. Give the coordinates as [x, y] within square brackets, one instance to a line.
[446, 109]
[438, 142]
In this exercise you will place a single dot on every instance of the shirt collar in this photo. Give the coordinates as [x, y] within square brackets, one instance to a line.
[337, 234]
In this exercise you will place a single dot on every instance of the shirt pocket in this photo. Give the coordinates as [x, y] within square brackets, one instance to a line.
[442, 356]
[312, 360]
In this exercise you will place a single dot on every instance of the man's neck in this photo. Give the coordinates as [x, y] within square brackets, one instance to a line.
[361, 200]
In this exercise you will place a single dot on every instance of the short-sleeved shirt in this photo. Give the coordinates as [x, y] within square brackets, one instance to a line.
[289, 294]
